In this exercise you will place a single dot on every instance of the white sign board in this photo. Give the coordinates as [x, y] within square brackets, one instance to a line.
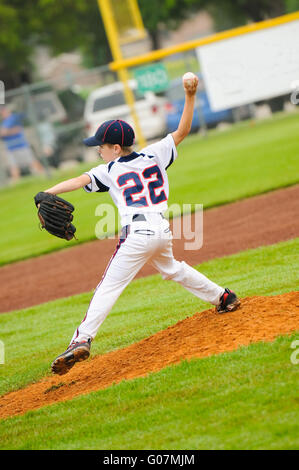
[251, 67]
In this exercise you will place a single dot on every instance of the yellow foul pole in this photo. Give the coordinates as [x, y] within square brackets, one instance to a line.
[113, 39]
[186, 46]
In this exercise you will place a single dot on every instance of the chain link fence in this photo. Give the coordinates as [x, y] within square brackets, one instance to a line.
[58, 114]
[50, 114]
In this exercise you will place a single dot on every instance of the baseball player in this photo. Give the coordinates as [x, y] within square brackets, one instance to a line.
[138, 185]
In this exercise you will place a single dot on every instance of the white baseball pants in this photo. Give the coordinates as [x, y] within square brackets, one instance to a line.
[142, 242]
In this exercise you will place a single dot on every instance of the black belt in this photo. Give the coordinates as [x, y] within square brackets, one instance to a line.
[138, 218]
[141, 217]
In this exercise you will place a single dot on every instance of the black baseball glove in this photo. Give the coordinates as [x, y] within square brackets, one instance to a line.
[55, 215]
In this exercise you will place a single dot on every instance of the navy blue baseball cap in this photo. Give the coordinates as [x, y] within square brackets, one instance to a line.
[112, 132]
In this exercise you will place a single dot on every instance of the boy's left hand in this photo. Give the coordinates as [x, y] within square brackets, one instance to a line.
[55, 215]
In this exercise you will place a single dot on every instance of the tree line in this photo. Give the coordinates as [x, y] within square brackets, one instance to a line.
[68, 25]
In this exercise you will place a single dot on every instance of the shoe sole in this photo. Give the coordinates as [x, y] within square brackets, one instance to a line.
[231, 307]
[63, 364]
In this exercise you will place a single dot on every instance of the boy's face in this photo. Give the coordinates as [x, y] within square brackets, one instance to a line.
[109, 152]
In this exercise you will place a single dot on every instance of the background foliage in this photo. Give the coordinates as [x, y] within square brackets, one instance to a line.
[70, 25]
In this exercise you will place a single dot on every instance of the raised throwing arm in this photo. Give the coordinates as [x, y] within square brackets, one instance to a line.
[190, 86]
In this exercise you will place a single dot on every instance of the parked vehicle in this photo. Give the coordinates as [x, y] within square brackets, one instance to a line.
[176, 97]
[60, 114]
[108, 102]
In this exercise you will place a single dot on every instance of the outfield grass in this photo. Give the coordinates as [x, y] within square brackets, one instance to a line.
[35, 336]
[245, 160]
[246, 399]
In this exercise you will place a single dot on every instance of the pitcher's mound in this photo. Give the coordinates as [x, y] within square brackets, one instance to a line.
[203, 334]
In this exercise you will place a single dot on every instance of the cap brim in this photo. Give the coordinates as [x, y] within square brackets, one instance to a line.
[92, 142]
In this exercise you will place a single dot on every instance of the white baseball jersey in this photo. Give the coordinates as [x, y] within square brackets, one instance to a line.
[138, 182]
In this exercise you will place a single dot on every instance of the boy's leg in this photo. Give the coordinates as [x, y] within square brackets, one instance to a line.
[187, 276]
[128, 258]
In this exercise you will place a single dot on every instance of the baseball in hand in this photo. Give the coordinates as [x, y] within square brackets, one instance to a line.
[189, 80]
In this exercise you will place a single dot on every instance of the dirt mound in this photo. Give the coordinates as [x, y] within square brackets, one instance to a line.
[257, 221]
[203, 334]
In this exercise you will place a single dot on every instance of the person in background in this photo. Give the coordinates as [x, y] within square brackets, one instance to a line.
[47, 136]
[19, 153]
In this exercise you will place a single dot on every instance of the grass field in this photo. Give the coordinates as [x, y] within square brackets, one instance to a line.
[245, 160]
[245, 399]
[241, 400]
[33, 335]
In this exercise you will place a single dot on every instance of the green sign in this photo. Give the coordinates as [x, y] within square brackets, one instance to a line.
[151, 78]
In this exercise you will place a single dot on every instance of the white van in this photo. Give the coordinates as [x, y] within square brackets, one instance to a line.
[108, 102]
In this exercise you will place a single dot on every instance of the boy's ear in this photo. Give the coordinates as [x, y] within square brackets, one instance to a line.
[117, 148]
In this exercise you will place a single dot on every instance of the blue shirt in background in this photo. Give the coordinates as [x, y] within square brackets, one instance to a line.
[18, 140]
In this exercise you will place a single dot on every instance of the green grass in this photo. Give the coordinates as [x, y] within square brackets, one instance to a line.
[240, 162]
[246, 399]
[242, 400]
[34, 336]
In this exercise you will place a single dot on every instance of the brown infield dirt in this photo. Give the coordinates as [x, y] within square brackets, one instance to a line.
[201, 335]
[250, 223]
